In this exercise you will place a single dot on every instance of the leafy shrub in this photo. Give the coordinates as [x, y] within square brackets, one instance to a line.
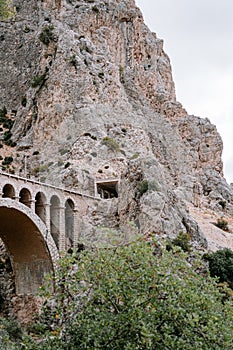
[143, 187]
[73, 61]
[63, 151]
[101, 75]
[223, 204]
[24, 101]
[10, 334]
[3, 113]
[6, 9]
[95, 9]
[38, 80]
[47, 35]
[135, 155]
[183, 241]
[8, 123]
[7, 135]
[10, 143]
[222, 224]
[131, 298]
[7, 161]
[221, 265]
[110, 143]
[146, 185]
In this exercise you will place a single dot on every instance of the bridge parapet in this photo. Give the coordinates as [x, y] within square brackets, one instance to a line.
[59, 208]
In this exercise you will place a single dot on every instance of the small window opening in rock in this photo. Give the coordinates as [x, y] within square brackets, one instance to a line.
[107, 189]
[106, 166]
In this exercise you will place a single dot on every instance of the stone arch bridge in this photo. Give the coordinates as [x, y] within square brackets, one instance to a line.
[36, 221]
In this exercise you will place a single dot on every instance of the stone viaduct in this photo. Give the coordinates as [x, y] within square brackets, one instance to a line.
[37, 220]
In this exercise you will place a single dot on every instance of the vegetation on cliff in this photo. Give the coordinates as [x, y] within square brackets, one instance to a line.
[6, 9]
[136, 296]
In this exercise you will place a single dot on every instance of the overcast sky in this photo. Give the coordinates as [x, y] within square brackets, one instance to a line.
[198, 37]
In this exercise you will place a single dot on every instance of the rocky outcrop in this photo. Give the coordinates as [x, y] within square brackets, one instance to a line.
[94, 100]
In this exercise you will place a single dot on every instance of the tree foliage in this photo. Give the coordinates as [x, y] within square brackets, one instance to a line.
[6, 9]
[221, 265]
[137, 296]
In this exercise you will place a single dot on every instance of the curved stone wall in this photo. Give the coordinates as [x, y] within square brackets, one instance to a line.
[32, 250]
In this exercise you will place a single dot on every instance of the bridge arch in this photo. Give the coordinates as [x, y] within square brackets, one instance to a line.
[40, 206]
[8, 191]
[32, 250]
[25, 197]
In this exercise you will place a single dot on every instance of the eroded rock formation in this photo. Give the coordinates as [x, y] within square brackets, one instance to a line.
[91, 91]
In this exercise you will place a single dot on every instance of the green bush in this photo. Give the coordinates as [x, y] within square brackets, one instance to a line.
[6, 9]
[3, 114]
[143, 187]
[47, 35]
[110, 143]
[95, 9]
[146, 185]
[8, 123]
[222, 224]
[7, 161]
[10, 334]
[131, 298]
[73, 61]
[101, 75]
[7, 135]
[38, 80]
[223, 204]
[183, 241]
[221, 265]
[24, 101]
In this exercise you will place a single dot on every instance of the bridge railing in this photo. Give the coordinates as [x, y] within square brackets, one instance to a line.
[44, 184]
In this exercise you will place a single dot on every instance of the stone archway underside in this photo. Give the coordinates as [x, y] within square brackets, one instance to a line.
[22, 234]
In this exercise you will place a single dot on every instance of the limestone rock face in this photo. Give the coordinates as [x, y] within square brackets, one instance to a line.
[93, 99]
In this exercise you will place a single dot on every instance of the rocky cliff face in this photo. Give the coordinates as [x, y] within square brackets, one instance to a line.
[91, 94]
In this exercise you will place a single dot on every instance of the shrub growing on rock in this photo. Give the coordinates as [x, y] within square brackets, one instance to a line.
[221, 265]
[130, 297]
[222, 224]
[182, 240]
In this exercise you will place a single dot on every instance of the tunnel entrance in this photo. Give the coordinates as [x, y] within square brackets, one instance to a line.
[23, 235]
[107, 188]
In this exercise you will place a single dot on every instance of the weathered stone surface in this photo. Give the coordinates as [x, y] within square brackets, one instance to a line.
[101, 104]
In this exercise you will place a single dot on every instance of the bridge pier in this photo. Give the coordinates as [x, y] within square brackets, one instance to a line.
[62, 230]
[77, 224]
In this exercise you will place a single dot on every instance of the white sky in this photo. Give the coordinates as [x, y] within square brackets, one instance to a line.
[198, 37]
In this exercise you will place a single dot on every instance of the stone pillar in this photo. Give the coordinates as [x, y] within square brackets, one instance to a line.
[62, 229]
[32, 205]
[47, 216]
[77, 224]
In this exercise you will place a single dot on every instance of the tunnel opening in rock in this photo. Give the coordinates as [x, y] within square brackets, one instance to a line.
[107, 189]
